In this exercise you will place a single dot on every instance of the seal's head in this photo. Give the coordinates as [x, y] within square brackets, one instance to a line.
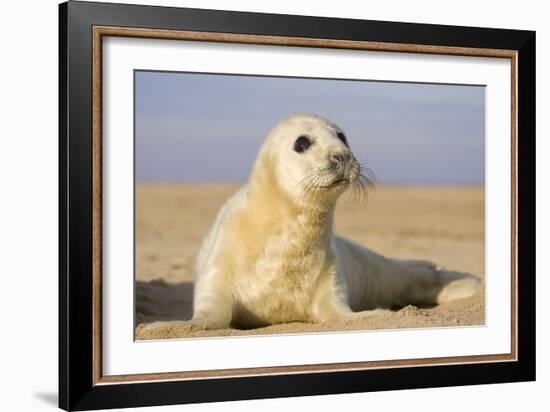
[310, 159]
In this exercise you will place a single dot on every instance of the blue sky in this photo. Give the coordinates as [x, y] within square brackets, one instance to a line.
[208, 128]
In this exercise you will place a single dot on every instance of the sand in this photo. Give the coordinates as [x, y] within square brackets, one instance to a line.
[442, 224]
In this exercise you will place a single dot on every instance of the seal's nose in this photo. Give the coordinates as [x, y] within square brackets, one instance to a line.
[340, 158]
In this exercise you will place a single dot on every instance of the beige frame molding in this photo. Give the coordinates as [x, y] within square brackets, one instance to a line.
[101, 31]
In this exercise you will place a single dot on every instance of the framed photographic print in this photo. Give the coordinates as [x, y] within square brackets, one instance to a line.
[256, 205]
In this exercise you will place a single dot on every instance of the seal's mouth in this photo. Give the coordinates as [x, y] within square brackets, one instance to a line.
[339, 182]
[332, 178]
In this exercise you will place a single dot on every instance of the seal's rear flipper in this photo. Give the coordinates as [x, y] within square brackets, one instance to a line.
[456, 285]
[423, 284]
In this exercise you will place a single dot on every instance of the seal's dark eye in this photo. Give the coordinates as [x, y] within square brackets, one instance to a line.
[301, 144]
[342, 137]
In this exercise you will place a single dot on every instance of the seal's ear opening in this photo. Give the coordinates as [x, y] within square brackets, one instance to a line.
[302, 143]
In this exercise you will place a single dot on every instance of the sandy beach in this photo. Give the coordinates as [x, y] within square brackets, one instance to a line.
[443, 224]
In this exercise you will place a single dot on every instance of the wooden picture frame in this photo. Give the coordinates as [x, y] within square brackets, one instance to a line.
[82, 384]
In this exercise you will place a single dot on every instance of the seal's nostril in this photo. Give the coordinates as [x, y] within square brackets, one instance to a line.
[339, 157]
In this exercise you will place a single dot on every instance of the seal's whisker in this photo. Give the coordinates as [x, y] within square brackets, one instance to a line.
[357, 194]
[367, 187]
[351, 196]
[310, 182]
[367, 172]
[314, 172]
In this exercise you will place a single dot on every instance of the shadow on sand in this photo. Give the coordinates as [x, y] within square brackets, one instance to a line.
[159, 300]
